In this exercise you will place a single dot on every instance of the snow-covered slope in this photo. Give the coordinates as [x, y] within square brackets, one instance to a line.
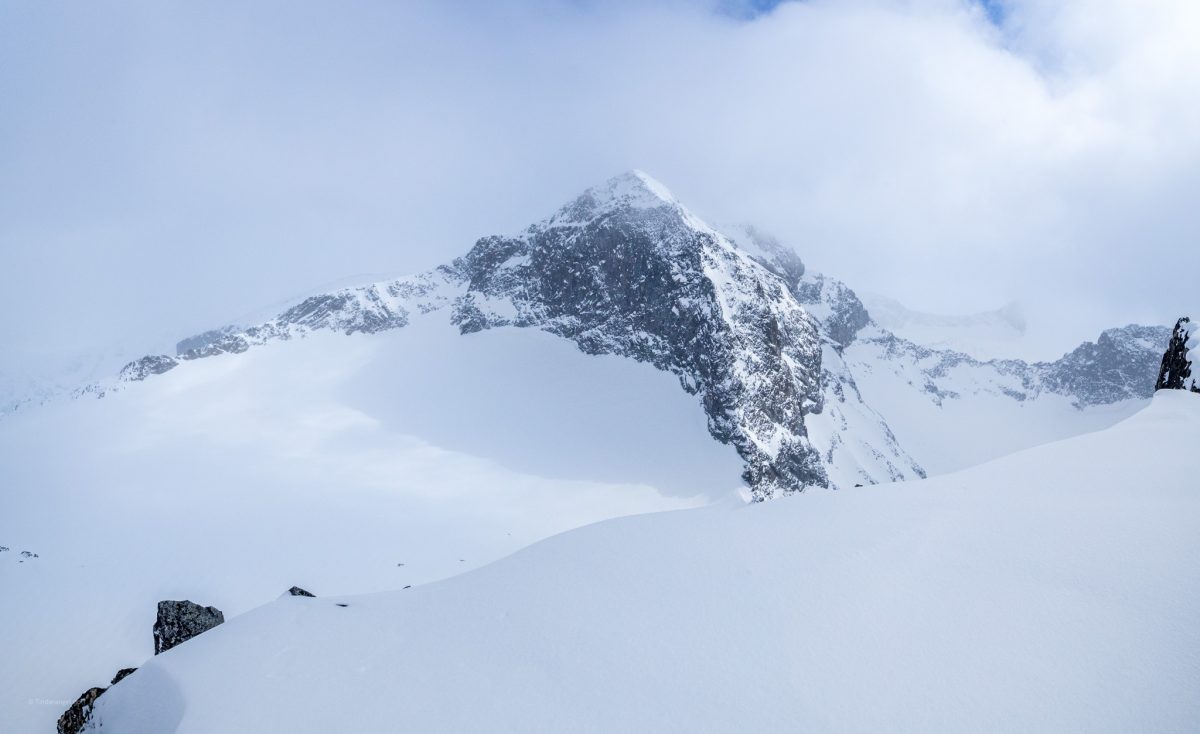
[325, 462]
[1055, 590]
[953, 411]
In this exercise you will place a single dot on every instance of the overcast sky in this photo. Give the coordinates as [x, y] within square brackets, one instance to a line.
[168, 167]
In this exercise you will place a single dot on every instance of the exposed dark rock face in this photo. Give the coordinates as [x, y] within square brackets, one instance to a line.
[1175, 369]
[769, 252]
[180, 621]
[210, 343]
[154, 364]
[121, 674]
[1117, 366]
[226, 340]
[297, 591]
[76, 717]
[836, 306]
[626, 270]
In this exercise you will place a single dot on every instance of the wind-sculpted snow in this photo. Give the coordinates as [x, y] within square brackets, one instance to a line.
[1054, 590]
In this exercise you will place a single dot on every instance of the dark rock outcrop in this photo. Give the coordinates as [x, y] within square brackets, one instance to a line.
[1117, 366]
[769, 252]
[1175, 370]
[625, 269]
[154, 364]
[838, 307]
[121, 674]
[180, 621]
[297, 591]
[226, 340]
[76, 717]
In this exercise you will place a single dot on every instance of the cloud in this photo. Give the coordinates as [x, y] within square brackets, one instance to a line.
[172, 166]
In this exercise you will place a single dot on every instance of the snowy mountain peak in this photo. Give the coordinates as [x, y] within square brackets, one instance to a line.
[630, 195]
[633, 188]
[787, 364]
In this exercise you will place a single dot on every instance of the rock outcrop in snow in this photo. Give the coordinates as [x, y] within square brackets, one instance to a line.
[177, 622]
[180, 621]
[1175, 372]
[75, 718]
[140, 369]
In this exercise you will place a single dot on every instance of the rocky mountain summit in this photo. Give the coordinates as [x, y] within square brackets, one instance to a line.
[625, 269]
[774, 353]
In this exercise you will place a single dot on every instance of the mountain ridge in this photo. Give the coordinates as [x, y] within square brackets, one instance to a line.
[775, 353]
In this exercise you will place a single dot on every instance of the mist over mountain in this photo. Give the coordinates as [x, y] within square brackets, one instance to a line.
[774, 353]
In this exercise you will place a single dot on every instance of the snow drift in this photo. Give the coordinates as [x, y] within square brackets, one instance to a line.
[344, 465]
[1053, 590]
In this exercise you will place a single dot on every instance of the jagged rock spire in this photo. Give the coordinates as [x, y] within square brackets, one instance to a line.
[1176, 370]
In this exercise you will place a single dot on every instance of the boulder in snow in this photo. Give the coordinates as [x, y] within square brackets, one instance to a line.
[75, 718]
[120, 676]
[180, 621]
